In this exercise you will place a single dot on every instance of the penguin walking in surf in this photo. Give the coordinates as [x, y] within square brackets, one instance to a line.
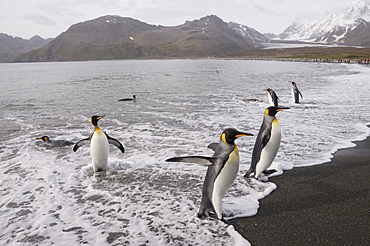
[266, 145]
[222, 169]
[272, 97]
[295, 92]
[99, 145]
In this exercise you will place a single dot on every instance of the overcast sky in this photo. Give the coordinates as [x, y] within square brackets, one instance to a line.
[49, 18]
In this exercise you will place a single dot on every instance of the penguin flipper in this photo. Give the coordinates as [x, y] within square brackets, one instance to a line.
[116, 143]
[201, 160]
[80, 143]
[299, 92]
[262, 140]
[213, 146]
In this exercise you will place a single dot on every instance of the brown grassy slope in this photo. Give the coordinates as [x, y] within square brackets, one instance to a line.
[305, 53]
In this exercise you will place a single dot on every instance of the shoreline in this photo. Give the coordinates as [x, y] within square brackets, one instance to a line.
[325, 204]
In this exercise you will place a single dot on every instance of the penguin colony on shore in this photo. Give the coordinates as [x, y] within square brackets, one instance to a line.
[223, 166]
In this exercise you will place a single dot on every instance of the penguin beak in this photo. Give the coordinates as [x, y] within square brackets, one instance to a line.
[100, 117]
[281, 109]
[243, 134]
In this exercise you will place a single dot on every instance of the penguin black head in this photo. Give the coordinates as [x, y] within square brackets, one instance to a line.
[94, 120]
[134, 96]
[293, 83]
[269, 89]
[272, 111]
[44, 138]
[230, 134]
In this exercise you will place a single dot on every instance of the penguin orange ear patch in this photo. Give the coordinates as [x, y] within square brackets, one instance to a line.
[267, 111]
[223, 137]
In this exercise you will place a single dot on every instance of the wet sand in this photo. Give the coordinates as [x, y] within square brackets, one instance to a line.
[326, 204]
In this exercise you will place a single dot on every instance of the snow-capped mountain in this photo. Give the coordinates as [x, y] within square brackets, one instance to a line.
[344, 19]
[341, 34]
[247, 33]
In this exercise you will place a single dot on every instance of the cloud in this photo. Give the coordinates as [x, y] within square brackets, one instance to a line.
[51, 17]
[40, 19]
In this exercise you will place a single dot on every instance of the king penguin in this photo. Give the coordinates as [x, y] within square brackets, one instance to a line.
[133, 98]
[295, 92]
[99, 145]
[267, 144]
[222, 169]
[48, 143]
[272, 97]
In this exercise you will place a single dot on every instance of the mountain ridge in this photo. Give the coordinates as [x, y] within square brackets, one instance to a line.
[115, 37]
[301, 29]
[11, 47]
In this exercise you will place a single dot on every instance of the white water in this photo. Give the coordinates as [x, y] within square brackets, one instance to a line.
[51, 196]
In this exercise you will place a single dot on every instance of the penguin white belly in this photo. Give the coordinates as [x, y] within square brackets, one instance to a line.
[224, 180]
[293, 95]
[99, 151]
[271, 102]
[270, 150]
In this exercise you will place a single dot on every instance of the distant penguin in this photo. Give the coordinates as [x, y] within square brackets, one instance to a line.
[99, 147]
[250, 100]
[223, 167]
[267, 144]
[295, 92]
[53, 143]
[272, 97]
[128, 99]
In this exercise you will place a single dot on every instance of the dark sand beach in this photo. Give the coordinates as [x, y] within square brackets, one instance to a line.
[326, 204]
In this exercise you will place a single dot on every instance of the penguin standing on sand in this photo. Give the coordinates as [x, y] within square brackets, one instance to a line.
[222, 169]
[295, 92]
[272, 97]
[99, 145]
[55, 143]
[266, 145]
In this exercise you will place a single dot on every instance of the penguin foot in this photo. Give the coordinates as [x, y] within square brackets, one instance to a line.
[263, 178]
[207, 214]
[248, 175]
[99, 170]
[268, 172]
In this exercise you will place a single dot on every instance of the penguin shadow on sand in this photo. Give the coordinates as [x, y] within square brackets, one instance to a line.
[99, 145]
[222, 170]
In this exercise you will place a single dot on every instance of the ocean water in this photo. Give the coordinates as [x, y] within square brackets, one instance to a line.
[53, 197]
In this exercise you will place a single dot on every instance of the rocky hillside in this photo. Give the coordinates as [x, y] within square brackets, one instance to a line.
[11, 47]
[115, 37]
[249, 34]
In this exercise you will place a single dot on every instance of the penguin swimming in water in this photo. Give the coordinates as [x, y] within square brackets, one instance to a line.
[53, 143]
[99, 145]
[295, 92]
[222, 169]
[129, 99]
[267, 144]
[272, 97]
